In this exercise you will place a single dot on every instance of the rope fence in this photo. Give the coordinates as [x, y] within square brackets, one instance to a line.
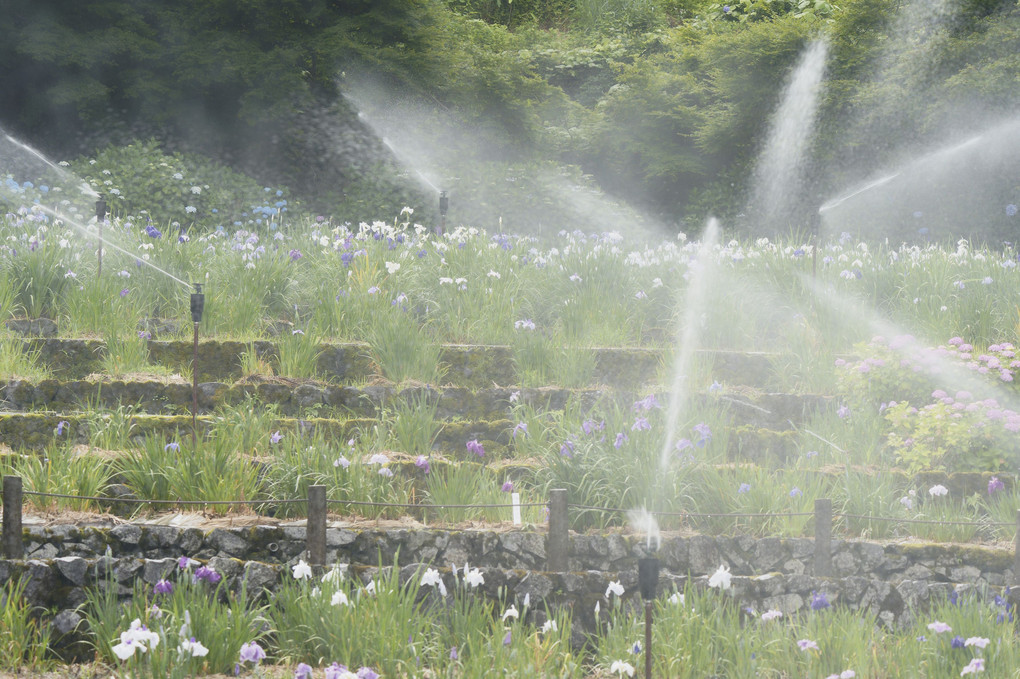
[558, 506]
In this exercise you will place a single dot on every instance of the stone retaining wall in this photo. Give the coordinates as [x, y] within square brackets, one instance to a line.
[526, 549]
[891, 582]
[59, 585]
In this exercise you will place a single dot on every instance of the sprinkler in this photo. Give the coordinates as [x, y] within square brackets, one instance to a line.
[444, 205]
[197, 307]
[648, 582]
[100, 218]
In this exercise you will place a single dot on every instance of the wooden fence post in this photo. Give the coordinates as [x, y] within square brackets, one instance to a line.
[315, 527]
[13, 546]
[823, 538]
[558, 544]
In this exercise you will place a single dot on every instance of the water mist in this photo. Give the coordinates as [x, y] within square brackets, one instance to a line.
[779, 173]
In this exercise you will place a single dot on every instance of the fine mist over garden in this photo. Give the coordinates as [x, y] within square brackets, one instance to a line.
[448, 337]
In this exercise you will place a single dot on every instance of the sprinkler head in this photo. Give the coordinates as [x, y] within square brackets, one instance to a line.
[100, 209]
[648, 577]
[197, 303]
[444, 203]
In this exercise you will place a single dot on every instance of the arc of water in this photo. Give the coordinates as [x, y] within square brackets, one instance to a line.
[696, 298]
[88, 232]
[779, 172]
[920, 162]
[65, 174]
[951, 375]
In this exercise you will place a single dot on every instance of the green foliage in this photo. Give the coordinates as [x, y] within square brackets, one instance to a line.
[20, 361]
[175, 471]
[692, 107]
[196, 609]
[39, 276]
[142, 180]
[125, 354]
[7, 295]
[23, 637]
[216, 471]
[613, 456]
[939, 436]
[464, 483]
[859, 493]
[298, 354]
[516, 13]
[359, 473]
[370, 628]
[246, 293]
[412, 424]
[928, 427]
[663, 101]
[249, 425]
[60, 470]
[617, 15]
[767, 10]
[402, 349]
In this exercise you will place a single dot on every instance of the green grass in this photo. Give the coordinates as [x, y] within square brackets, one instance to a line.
[58, 469]
[19, 361]
[24, 637]
[464, 483]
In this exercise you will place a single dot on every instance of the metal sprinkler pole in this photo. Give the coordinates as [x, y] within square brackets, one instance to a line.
[197, 307]
[444, 205]
[648, 582]
[648, 640]
[100, 218]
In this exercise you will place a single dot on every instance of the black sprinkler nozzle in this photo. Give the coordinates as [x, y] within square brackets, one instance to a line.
[197, 303]
[648, 577]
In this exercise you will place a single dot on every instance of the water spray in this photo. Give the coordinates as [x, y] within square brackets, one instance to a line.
[444, 206]
[648, 582]
[816, 228]
[100, 219]
[197, 307]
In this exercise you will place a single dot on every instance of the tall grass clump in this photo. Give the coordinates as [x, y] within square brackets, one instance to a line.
[412, 425]
[39, 272]
[379, 624]
[612, 456]
[20, 361]
[60, 470]
[125, 354]
[298, 354]
[250, 424]
[188, 605]
[111, 429]
[403, 350]
[24, 639]
[362, 476]
[217, 471]
[464, 483]
[103, 306]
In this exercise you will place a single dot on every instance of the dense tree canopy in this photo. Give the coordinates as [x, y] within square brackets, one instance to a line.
[663, 102]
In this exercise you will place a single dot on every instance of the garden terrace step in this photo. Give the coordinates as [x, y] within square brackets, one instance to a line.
[301, 397]
[289, 397]
[33, 430]
[467, 365]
